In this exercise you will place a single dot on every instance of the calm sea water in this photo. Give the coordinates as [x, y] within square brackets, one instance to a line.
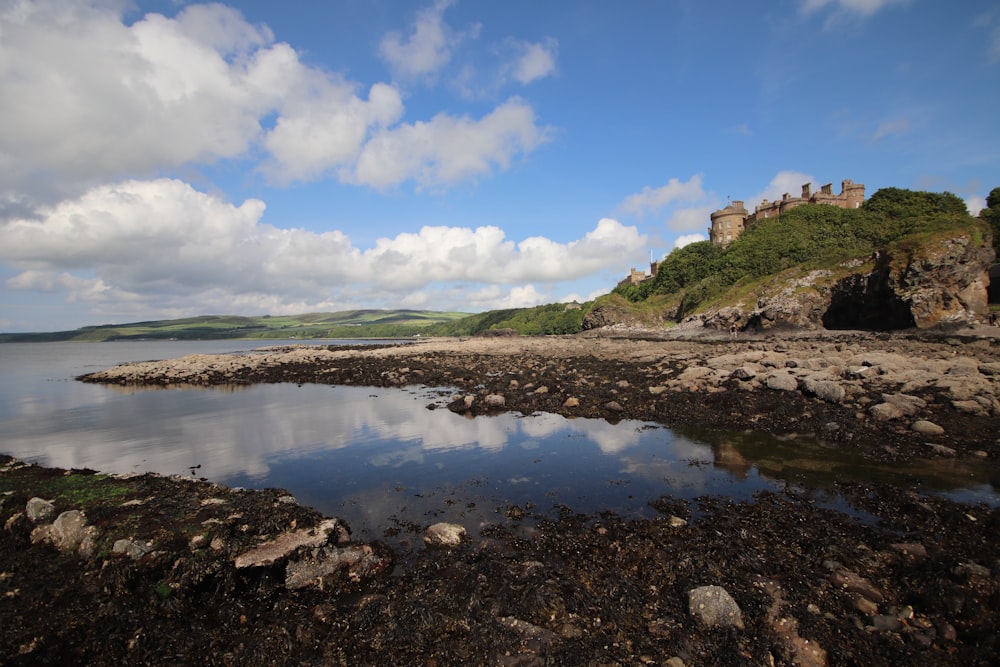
[379, 458]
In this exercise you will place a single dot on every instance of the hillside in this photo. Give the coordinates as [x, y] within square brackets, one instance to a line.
[556, 318]
[902, 259]
[345, 324]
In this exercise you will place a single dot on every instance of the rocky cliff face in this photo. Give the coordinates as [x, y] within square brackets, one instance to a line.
[942, 281]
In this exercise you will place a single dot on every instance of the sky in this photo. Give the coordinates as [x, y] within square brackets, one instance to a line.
[167, 159]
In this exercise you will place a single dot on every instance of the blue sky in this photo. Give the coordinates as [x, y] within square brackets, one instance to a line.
[166, 159]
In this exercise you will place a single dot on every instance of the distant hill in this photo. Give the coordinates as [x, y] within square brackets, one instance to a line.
[557, 318]
[346, 324]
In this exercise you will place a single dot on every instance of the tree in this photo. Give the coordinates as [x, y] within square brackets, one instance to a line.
[991, 214]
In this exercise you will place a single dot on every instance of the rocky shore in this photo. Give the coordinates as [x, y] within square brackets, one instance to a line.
[101, 569]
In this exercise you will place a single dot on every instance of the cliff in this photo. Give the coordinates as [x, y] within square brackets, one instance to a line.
[923, 281]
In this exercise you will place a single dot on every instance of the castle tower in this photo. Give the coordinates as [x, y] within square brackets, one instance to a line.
[853, 193]
[727, 223]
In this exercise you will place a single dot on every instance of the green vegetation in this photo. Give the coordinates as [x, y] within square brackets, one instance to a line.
[991, 214]
[550, 319]
[808, 237]
[75, 489]
[555, 318]
[346, 324]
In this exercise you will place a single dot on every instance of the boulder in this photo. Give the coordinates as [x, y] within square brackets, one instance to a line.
[354, 562]
[495, 401]
[824, 390]
[781, 381]
[65, 533]
[39, 510]
[444, 535]
[286, 543]
[714, 606]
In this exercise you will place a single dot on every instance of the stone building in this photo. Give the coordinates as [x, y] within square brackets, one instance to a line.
[636, 276]
[729, 222]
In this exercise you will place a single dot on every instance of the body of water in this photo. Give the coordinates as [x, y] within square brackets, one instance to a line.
[380, 458]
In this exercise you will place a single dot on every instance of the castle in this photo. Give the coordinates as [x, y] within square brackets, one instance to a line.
[727, 223]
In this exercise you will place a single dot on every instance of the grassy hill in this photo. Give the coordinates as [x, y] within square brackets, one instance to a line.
[346, 324]
[549, 319]
[807, 238]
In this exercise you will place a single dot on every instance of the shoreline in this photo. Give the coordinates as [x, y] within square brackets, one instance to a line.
[175, 570]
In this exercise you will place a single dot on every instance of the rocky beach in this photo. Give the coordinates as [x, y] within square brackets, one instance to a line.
[105, 569]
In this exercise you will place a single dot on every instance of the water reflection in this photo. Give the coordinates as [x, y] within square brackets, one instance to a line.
[380, 458]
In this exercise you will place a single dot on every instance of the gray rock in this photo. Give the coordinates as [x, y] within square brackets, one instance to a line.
[714, 606]
[908, 405]
[65, 533]
[40, 510]
[614, 406]
[884, 412]
[927, 428]
[824, 390]
[495, 401]
[743, 373]
[855, 583]
[444, 535]
[134, 549]
[356, 562]
[781, 381]
[286, 543]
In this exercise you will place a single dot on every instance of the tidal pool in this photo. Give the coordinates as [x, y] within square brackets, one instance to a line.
[389, 465]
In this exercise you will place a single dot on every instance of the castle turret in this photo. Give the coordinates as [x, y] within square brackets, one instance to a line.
[727, 223]
[853, 193]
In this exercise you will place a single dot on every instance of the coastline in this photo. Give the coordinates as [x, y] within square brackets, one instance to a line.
[904, 576]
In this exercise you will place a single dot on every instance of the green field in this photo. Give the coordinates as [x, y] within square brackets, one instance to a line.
[346, 324]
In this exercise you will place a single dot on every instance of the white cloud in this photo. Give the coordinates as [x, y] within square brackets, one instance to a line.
[448, 149]
[89, 99]
[975, 204]
[653, 200]
[165, 245]
[428, 47]
[318, 135]
[535, 60]
[790, 182]
[688, 239]
[689, 219]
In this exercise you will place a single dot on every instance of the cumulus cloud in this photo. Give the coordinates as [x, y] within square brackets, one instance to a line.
[653, 200]
[161, 242]
[688, 239]
[695, 217]
[429, 45]
[448, 149]
[534, 60]
[790, 182]
[90, 99]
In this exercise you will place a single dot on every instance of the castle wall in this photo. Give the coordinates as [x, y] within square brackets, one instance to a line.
[729, 222]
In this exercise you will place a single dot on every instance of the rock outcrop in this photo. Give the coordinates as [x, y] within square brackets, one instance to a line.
[941, 282]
